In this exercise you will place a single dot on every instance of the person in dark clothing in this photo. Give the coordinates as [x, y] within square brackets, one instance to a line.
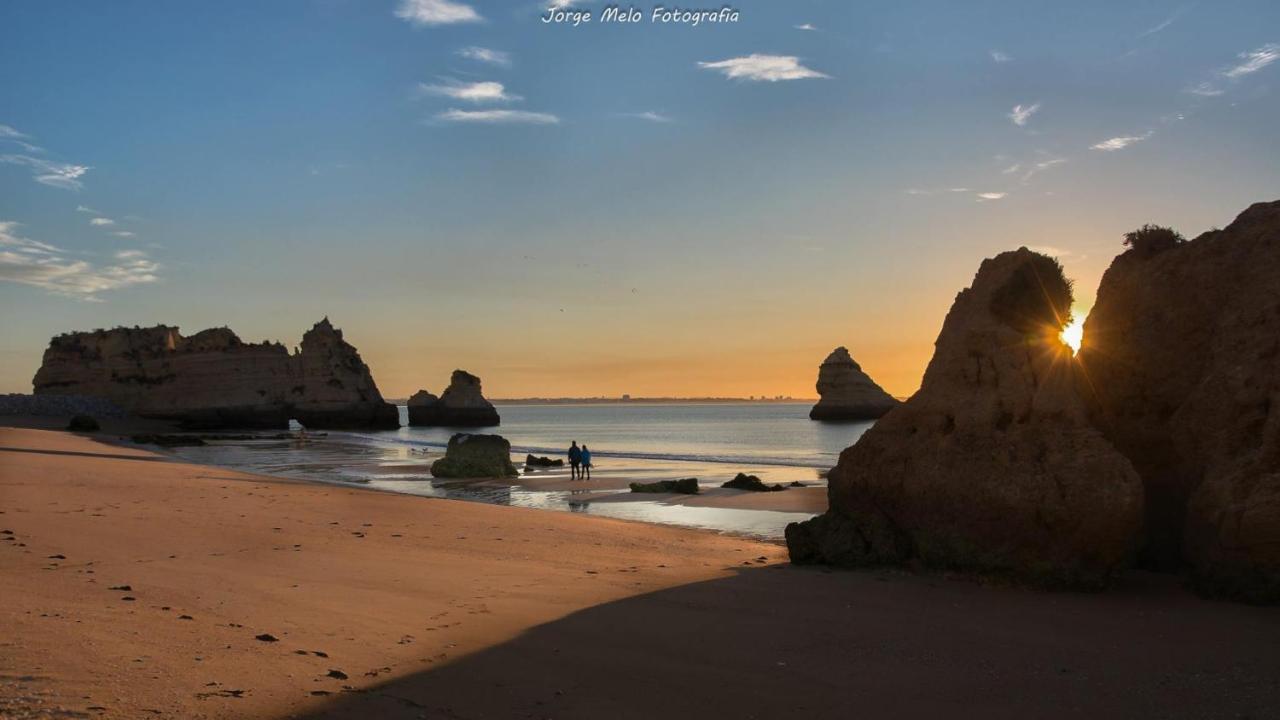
[586, 463]
[575, 459]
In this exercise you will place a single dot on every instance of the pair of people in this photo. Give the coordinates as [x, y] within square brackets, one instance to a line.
[579, 461]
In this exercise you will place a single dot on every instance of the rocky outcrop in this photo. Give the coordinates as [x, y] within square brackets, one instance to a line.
[993, 464]
[1181, 359]
[475, 456]
[683, 486]
[213, 379]
[534, 461]
[847, 393]
[743, 481]
[461, 405]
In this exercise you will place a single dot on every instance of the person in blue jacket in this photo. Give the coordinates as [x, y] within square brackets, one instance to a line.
[585, 474]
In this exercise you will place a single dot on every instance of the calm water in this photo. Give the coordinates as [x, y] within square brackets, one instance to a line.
[742, 433]
[634, 442]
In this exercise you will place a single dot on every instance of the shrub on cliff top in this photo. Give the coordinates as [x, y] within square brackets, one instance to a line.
[1151, 239]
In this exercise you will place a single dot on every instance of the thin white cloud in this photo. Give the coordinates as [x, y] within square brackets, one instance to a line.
[1000, 57]
[1205, 89]
[807, 27]
[1119, 143]
[436, 12]
[124, 233]
[7, 132]
[46, 266]
[1011, 169]
[1020, 114]
[498, 117]
[1041, 166]
[650, 116]
[48, 172]
[476, 92]
[1254, 61]
[102, 221]
[1165, 23]
[486, 55]
[86, 209]
[763, 68]
[988, 196]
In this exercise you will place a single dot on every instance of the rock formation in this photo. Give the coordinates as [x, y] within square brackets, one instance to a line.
[461, 405]
[993, 464]
[213, 379]
[475, 456]
[847, 393]
[1181, 360]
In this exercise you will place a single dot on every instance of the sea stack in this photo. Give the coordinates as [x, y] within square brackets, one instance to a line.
[461, 405]
[214, 380]
[1182, 358]
[847, 393]
[993, 464]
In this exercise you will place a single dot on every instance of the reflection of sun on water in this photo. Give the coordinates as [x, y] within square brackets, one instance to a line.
[1073, 332]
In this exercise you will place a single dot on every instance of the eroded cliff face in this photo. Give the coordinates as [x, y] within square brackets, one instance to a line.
[213, 379]
[461, 405]
[1181, 356]
[848, 393]
[993, 464]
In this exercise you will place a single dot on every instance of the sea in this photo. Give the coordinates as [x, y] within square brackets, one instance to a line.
[629, 442]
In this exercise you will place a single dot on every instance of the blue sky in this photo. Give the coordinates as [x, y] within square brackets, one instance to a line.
[653, 209]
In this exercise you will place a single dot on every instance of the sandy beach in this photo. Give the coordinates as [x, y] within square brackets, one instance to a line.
[137, 586]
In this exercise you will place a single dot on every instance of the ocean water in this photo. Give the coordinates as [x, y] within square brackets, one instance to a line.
[744, 433]
[629, 442]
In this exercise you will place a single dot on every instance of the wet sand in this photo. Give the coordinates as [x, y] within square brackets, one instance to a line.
[254, 597]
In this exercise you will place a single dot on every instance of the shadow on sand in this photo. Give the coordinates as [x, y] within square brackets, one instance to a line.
[781, 641]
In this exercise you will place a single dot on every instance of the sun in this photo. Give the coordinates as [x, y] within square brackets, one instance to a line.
[1073, 333]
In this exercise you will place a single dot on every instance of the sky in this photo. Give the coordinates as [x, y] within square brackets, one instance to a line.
[652, 208]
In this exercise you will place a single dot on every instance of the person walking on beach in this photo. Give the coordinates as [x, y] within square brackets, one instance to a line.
[586, 463]
[575, 458]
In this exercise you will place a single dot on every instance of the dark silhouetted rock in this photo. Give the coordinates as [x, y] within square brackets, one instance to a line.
[169, 440]
[993, 464]
[461, 405]
[847, 393]
[475, 456]
[531, 461]
[212, 379]
[83, 423]
[743, 481]
[1181, 354]
[684, 486]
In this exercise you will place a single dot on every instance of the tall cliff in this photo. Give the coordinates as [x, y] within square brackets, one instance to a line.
[213, 379]
[1162, 435]
[1181, 356]
[992, 465]
[848, 393]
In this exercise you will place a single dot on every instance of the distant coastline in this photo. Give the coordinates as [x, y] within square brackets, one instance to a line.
[632, 400]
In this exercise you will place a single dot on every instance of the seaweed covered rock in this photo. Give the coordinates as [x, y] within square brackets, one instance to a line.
[993, 464]
[461, 405]
[848, 393]
[684, 486]
[1182, 358]
[475, 456]
[743, 481]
